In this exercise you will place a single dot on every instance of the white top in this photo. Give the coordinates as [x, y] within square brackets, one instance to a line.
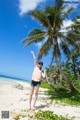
[37, 74]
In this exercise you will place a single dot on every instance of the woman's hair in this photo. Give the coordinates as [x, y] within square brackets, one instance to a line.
[40, 63]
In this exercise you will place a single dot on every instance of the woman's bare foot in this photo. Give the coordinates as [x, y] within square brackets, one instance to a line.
[29, 108]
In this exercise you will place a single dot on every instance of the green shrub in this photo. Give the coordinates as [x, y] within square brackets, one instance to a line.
[44, 84]
[66, 96]
[47, 115]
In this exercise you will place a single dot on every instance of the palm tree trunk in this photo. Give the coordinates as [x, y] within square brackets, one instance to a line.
[74, 67]
[66, 78]
[51, 84]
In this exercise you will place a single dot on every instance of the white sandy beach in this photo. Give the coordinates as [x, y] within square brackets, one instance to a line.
[15, 100]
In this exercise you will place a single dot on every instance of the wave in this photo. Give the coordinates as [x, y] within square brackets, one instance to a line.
[14, 78]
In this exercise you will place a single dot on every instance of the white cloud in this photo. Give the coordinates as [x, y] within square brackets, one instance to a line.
[66, 23]
[39, 44]
[27, 5]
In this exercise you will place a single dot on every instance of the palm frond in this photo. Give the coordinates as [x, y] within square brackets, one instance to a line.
[68, 12]
[36, 35]
[71, 41]
[41, 17]
[65, 48]
[45, 48]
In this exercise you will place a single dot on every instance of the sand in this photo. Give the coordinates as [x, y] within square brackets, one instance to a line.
[15, 100]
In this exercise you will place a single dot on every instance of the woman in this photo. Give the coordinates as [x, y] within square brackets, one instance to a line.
[36, 81]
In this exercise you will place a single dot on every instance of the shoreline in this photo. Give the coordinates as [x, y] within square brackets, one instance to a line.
[4, 80]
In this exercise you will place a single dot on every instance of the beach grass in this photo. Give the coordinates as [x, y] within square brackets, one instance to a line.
[66, 97]
[48, 115]
[63, 95]
[45, 85]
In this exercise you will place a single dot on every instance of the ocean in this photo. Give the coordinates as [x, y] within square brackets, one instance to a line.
[4, 79]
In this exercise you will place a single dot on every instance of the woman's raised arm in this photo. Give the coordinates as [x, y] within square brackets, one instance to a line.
[34, 58]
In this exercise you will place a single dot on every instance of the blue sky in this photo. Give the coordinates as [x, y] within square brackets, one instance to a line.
[14, 26]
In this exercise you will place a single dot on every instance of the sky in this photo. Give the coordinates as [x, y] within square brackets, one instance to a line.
[15, 60]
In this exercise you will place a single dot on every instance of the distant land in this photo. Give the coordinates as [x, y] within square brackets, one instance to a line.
[14, 78]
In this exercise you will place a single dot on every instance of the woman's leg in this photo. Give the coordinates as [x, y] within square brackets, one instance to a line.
[30, 97]
[35, 97]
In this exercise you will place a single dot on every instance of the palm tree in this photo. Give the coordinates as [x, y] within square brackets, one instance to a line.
[74, 31]
[73, 62]
[51, 19]
[76, 24]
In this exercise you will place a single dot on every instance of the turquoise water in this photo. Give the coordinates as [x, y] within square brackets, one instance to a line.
[4, 79]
